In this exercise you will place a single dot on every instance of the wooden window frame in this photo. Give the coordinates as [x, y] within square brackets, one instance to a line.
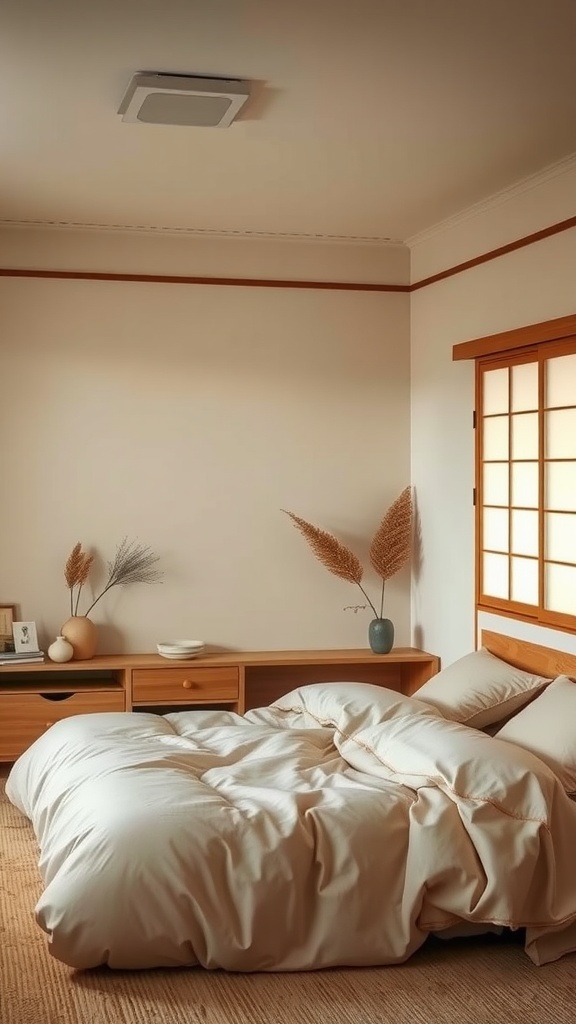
[537, 342]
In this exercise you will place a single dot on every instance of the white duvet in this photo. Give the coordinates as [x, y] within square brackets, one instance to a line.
[340, 826]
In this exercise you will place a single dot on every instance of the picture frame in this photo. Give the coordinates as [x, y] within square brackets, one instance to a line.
[25, 637]
[7, 616]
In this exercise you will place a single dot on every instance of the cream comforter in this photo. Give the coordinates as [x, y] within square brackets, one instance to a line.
[339, 826]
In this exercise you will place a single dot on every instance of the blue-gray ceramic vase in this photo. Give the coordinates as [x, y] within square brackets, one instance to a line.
[381, 635]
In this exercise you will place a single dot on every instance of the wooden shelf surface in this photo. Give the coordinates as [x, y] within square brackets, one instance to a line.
[238, 680]
[246, 658]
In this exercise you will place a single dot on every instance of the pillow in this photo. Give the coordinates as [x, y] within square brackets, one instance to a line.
[480, 689]
[547, 728]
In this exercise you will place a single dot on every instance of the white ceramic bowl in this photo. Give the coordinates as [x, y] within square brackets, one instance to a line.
[179, 646]
[181, 656]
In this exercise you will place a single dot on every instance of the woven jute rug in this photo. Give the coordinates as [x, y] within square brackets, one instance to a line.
[466, 982]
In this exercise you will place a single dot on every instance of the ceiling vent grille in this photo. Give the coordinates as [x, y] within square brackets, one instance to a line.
[155, 98]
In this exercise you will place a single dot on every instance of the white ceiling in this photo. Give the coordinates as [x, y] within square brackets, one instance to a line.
[370, 119]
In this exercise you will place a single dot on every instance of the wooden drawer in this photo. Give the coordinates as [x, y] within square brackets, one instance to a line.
[25, 716]
[184, 685]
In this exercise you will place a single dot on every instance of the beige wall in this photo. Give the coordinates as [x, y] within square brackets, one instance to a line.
[527, 286]
[186, 417]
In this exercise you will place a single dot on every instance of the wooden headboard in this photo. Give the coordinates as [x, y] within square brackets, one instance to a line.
[544, 661]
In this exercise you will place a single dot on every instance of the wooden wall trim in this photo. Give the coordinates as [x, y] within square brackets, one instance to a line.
[254, 282]
[521, 337]
[243, 282]
[520, 243]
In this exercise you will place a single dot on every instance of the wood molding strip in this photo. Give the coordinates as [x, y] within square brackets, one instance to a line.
[520, 243]
[250, 282]
[243, 282]
[521, 337]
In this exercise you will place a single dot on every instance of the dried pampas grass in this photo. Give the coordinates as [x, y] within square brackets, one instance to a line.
[392, 542]
[76, 572]
[389, 551]
[133, 563]
[337, 558]
[72, 567]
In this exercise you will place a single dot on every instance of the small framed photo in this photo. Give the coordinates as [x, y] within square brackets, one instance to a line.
[7, 616]
[25, 637]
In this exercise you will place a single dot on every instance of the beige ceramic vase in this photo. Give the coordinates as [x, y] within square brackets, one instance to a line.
[61, 649]
[81, 632]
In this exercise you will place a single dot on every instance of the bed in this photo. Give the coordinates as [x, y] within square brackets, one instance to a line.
[340, 826]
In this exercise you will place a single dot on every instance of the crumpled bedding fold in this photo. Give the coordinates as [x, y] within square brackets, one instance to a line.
[338, 827]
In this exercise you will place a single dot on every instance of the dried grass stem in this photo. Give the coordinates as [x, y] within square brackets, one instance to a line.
[389, 551]
[133, 563]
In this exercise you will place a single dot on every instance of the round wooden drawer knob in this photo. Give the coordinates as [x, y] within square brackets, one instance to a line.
[187, 684]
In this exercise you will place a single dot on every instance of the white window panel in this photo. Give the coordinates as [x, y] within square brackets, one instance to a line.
[560, 588]
[560, 381]
[560, 486]
[526, 514]
[524, 582]
[495, 485]
[561, 434]
[524, 485]
[495, 575]
[524, 387]
[495, 438]
[495, 529]
[525, 435]
[495, 392]
[560, 537]
[524, 540]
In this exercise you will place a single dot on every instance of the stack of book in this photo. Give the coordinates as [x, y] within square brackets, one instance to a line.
[14, 658]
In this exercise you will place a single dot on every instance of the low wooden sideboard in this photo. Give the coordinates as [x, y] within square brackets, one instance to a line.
[35, 696]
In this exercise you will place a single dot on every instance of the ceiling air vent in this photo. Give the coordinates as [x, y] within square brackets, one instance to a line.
[153, 98]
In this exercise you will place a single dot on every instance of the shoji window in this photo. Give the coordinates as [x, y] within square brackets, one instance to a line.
[526, 478]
